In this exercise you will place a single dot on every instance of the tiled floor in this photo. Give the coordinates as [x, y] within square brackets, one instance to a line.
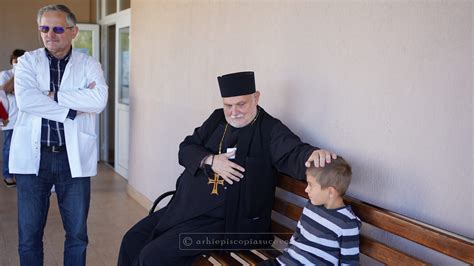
[111, 213]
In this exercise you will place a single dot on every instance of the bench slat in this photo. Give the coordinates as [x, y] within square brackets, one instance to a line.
[395, 224]
[281, 231]
[386, 254]
[224, 258]
[248, 257]
[292, 185]
[287, 209]
[270, 253]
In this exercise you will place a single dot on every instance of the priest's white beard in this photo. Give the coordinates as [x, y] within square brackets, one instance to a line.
[239, 121]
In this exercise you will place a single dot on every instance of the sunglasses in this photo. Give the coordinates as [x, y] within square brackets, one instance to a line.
[57, 29]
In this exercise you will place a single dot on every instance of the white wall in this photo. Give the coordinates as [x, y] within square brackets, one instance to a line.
[386, 84]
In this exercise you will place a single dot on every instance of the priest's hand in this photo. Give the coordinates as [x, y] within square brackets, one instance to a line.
[228, 170]
[320, 158]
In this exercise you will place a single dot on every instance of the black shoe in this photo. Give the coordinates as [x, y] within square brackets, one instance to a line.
[9, 184]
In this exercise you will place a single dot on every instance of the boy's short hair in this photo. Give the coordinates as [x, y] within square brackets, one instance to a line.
[336, 174]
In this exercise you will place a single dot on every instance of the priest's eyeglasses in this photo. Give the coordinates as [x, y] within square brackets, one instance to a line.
[56, 29]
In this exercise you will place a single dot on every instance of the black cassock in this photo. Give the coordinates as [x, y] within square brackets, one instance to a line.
[239, 211]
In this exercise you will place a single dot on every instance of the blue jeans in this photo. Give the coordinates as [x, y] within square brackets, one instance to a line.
[7, 138]
[33, 204]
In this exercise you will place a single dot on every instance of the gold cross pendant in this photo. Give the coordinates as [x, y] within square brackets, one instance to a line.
[216, 181]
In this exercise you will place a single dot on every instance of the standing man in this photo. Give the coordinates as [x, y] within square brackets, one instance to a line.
[59, 94]
[225, 194]
[7, 97]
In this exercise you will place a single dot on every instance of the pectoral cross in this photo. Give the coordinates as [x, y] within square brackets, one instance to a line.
[216, 181]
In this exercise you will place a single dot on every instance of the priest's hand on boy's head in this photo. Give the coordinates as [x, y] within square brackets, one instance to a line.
[320, 158]
[225, 168]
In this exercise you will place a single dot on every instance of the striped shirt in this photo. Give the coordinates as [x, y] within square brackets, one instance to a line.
[52, 132]
[324, 237]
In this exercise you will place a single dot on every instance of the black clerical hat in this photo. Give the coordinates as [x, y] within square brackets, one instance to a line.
[236, 84]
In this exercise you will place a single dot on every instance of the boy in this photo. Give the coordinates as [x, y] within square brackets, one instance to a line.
[328, 231]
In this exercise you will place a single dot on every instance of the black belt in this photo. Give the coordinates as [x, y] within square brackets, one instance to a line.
[53, 148]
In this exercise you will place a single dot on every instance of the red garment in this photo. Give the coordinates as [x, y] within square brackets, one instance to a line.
[3, 112]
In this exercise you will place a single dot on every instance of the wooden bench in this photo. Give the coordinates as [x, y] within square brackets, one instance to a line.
[409, 229]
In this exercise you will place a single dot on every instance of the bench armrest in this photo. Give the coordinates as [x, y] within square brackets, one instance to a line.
[162, 196]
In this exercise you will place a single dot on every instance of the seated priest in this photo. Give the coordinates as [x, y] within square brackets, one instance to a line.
[224, 196]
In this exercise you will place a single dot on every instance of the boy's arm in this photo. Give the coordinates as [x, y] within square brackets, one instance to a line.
[349, 252]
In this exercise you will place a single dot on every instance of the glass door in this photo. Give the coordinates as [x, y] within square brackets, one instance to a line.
[122, 103]
[114, 18]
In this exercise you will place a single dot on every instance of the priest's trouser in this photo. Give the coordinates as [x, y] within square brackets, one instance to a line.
[179, 245]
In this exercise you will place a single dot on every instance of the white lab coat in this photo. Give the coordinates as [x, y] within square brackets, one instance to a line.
[31, 87]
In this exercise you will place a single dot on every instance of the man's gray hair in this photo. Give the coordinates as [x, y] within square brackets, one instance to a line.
[70, 17]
